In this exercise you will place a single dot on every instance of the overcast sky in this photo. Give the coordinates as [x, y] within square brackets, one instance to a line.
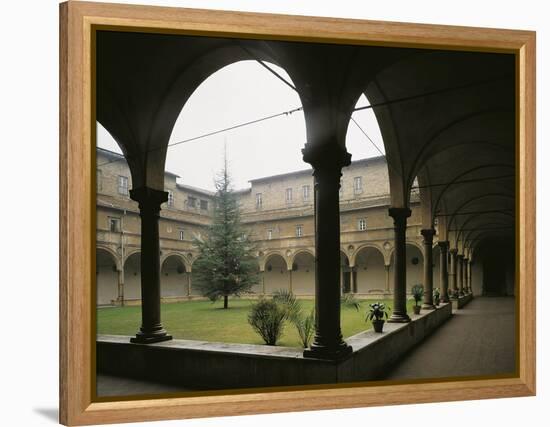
[239, 93]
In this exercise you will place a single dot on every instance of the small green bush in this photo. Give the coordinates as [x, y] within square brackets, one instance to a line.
[267, 318]
[417, 293]
[305, 327]
[349, 301]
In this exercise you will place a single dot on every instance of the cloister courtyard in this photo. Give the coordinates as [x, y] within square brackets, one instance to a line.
[206, 321]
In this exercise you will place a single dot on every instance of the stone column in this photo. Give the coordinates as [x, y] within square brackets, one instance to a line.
[290, 279]
[353, 279]
[443, 275]
[428, 235]
[188, 283]
[459, 275]
[121, 287]
[465, 276]
[387, 270]
[452, 273]
[470, 277]
[149, 200]
[399, 314]
[327, 161]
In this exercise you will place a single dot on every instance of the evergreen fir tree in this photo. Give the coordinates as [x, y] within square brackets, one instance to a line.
[225, 265]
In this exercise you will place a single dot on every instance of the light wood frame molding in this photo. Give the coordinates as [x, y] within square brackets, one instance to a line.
[77, 217]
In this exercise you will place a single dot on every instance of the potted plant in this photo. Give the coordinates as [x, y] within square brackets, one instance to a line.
[436, 296]
[376, 314]
[417, 293]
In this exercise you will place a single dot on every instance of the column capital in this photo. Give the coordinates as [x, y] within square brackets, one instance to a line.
[329, 156]
[399, 213]
[148, 198]
[453, 251]
[443, 244]
[428, 234]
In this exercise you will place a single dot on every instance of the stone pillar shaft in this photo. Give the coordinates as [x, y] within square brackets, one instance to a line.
[465, 275]
[459, 274]
[149, 208]
[121, 287]
[428, 235]
[443, 275]
[387, 270]
[452, 273]
[327, 161]
[399, 314]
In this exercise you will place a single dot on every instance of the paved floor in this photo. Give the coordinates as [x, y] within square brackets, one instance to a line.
[108, 385]
[478, 340]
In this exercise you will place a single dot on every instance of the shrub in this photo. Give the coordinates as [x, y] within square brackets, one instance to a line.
[349, 301]
[289, 303]
[305, 327]
[267, 318]
[377, 311]
[417, 293]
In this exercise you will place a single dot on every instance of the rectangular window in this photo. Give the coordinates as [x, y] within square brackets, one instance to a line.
[358, 184]
[98, 178]
[204, 205]
[288, 195]
[305, 192]
[170, 201]
[341, 190]
[114, 225]
[362, 224]
[299, 230]
[258, 200]
[269, 234]
[182, 234]
[123, 185]
[191, 202]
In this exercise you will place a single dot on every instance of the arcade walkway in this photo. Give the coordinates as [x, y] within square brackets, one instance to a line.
[478, 340]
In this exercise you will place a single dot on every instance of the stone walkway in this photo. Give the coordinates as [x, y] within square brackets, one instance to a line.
[478, 340]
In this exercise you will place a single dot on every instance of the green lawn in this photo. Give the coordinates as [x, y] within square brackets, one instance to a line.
[203, 320]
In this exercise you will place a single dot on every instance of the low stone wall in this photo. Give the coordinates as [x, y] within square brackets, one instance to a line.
[462, 301]
[207, 365]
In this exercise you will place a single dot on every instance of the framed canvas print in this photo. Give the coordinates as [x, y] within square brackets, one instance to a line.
[266, 213]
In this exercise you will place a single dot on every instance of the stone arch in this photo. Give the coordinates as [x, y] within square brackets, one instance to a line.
[132, 276]
[374, 246]
[303, 273]
[370, 270]
[174, 276]
[106, 276]
[276, 274]
[415, 264]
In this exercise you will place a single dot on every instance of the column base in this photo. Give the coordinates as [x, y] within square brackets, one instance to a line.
[150, 338]
[399, 318]
[428, 306]
[328, 353]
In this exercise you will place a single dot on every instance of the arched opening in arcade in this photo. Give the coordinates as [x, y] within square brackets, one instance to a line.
[107, 278]
[303, 274]
[371, 276]
[132, 278]
[414, 261]
[174, 278]
[276, 274]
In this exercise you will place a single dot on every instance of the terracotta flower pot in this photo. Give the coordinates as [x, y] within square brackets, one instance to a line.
[416, 309]
[378, 324]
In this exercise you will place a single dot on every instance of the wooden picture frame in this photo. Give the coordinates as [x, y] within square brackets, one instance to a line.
[77, 197]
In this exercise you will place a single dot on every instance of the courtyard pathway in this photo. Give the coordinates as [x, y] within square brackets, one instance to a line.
[478, 340]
